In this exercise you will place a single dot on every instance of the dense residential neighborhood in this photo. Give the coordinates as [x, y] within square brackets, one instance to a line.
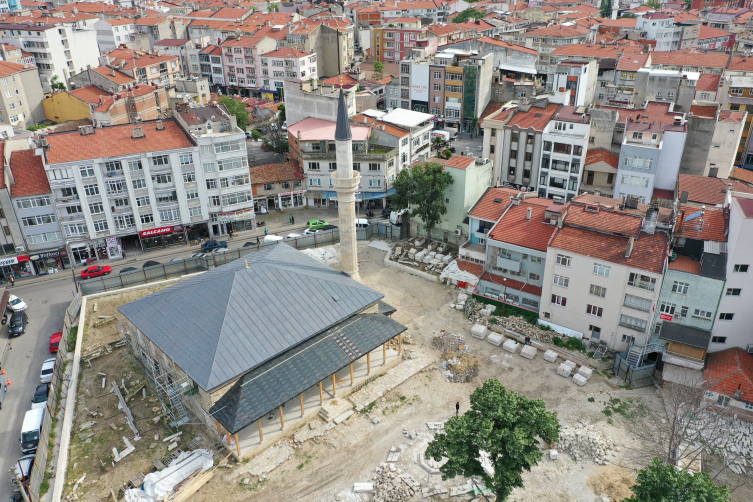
[359, 217]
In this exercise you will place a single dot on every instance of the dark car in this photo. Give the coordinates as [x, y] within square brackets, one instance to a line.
[128, 270]
[151, 264]
[17, 324]
[386, 212]
[212, 245]
[40, 396]
[329, 227]
[248, 244]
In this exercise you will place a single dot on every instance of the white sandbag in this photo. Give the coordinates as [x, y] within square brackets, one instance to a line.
[585, 372]
[136, 495]
[159, 484]
[580, 379]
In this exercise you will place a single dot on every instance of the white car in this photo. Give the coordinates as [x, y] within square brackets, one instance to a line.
[16, 304]
[45, 376]
[219, 251]
[310, 231]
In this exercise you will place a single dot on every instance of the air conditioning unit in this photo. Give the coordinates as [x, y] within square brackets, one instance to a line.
[749, 348]
[20, 249]
[458, 231]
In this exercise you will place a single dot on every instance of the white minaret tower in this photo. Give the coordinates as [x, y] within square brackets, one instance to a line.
[346, 182]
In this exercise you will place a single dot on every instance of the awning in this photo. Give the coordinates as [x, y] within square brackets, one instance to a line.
[686, 335]
[516, 68]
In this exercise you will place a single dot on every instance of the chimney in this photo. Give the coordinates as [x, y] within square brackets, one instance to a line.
[365, 120]
[86, 130]
[649, 222]
[684, 197]
[629, 247]
[137, 132]
[160, 126]
[528, 214]
[738, 392]
[112, 72]
[299, 134]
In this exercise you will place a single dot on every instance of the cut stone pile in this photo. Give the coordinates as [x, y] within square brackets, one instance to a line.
[392, 484]
[520, 325]
[447, 341]
[584, 442]
[736, 448]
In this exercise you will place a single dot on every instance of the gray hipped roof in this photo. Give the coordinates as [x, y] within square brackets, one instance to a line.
[686, 335]
[225, 322]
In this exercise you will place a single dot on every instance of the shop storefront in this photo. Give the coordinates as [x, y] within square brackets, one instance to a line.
[100, 249]
[163, 237]
[16, 266]
[322, 199]
[236, 221]
[261, 205]
[292, 200]
[83, 252]
[50, 262]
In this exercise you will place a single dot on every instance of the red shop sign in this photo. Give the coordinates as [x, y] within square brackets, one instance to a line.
[23, 258]
[665, 317]
[156, 231]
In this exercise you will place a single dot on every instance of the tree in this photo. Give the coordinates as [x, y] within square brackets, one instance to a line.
[56, 85]
[422, 188]
[378, 68]
[468, 14]
[503, 426]
[660, 482]
[627, 15]
[654, 4]
[236, 108]
[606, 9]
[283, 116]
[255, 135]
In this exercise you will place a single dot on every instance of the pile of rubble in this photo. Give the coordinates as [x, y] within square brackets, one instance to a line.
[584, 442]
[458, 366]
[391, 484]
[735, 445]
[446, 341]
[520, 325]
[475, 310]
[432, 258]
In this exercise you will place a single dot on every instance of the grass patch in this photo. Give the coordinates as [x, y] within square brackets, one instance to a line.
[368, 409]
[570, 343]
[44, 487]
[591, 399]
[72, 335]
[627, 408]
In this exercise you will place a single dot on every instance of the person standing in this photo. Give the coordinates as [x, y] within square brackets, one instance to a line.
[457, 408]
[292, 220]
[266, 231]
[12, 280]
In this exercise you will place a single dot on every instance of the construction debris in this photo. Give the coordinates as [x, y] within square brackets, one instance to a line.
[458, 367]
[584, 442]
[445, 342]
[519, 325]
[735, 447]
[391, 484]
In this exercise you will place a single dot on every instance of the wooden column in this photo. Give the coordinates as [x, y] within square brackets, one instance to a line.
[400, 343]
[261, 435]
[334, 385]
[384, 354]
[282, 419]
[238, 445]
[219, 429]
[321, 394]
[351, 374]
[368, 363]
[301, 396]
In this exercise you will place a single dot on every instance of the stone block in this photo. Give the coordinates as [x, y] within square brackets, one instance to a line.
[550, 356]
[342, 418]
[528, 351]
[495, 339]
[363, 487]
[553, 454]
[447, 259]
[462, 297]
[580, 379]
[479, 331]
[585, 372]
[565, 370]
[412, 253]
[511, 346]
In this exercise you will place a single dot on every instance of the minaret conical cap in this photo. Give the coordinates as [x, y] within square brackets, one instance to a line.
[342, 131]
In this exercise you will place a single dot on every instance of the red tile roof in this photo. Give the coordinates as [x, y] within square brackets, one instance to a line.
[459, 162]
[590, 50]
[515, 229]
[708, 82]
[745, 205]
[492, 107]
[711, 226]
[632, 62]
[502, 43]
[28, 174]
[487, 209]
[89, 94]
[625, 22]
[535, 118]
[703, 190]
[690, 59]
[558, 31]
[663, 193]
[471, 268]
[740, 63]
[603, 219]
[708, 111]
[685, 264]
[602, 155]
[114, 141]
[511, 283]
[741, 174]
[287, 52]
[730, 370]
[270, 173]
[711, 32]
[665, 214]
[735, 117]
[649, 251]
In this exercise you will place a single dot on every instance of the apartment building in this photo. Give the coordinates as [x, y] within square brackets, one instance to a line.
[285, 64]
[312, 145]
[210, 65]
[545, 40]
[418, 124]
[735, 92]
[241, 58]
[389, 135]
[146, 67]
[136, 104]
[114, 32]
[60, 50]
[714, 39]
[600, 261]
[21, 95]
[180, 48]
[316, 100]
[125, 185]
[278, 186]
[661, 27]
[395, 42]
[331, 37]
[574, 83]
[600, 171]
[16, 55]
[564, 149]
[151, 29]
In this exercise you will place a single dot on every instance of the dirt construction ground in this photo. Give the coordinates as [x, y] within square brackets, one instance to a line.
[325, 468]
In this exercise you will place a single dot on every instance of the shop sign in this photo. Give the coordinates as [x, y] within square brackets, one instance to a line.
[5, 262]
[299, 192]
[49, 254]
[159, 231]
[665, 317]
[245, 214]
[22, 258]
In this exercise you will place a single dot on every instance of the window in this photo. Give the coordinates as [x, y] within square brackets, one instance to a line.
[33, 202]
[733, 291]
[138, 184]
[740, 268]
[165, 197]
[726, 316]
[194, 211]
[718, 339]
[633, 323]
[535, 259]
[112, 167]
[702, 313]
[209, 167]
[628, 339]
[126, 221]
[192, 194]
[638, 303]
[91, 189]
[680, 287]
[667, 308]
[641, 281]
[237, 198]
[314, 166]
[118, 186]
[564, 260]
[242, 179]
[162, 179]
[559, 300]
[135, 165]
[147, 218]
[74, 209]
[214, 200]
[160, 160]
[96, 208]
[597, 290]
[211, 184]
[723, 401]
[76, 229]
[87, 172]
[186, 159]
[594, 310]
[505, 253]
[533, 277]
[171, 214]
[228, 146]
[600, 269]
[41, 219]
[142, 201]
[100, 225]
[561, 280]
[374, 166]
[47, 237]
[189, 177]
[269, 186]
[68, 192]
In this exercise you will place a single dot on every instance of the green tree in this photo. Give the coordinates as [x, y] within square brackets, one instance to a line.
[502, 424]
[378, 68]
[255, 135]
[236, 108]
[606, 9]
[421, 188]
[283, 116]
[468, 14]
[660, 482]
[654, 4]
[627, 15]
[56, 85]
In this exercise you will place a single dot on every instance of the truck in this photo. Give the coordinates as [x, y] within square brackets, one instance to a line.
[441, 134]
[396, 217]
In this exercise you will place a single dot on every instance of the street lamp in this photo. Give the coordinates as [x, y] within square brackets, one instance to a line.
[504, 301]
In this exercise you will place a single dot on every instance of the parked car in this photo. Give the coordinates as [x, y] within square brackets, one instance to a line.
[316, 224]
[175, 260]
[311, 231]
[273, 126]
[39, 401]
[16, 304]
[17, 324]
[212, 245]
[26, 463]
[219, 250]
[151, 264]
[248, 134]
[55, 341]
[45, 376]
[249, 244]
[200, 255]
[128, 270]
[386, 212]
[284, 126]
[329, 227]
[293, 236]
[95, 271]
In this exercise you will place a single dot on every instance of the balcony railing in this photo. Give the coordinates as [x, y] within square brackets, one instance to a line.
[633, 327]
[637, 307]
[473, 252]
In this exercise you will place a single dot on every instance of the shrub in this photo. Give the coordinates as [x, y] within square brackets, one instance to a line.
[557, 341]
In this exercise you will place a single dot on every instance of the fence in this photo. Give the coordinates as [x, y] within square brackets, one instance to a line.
[58, 392]
[641, 376]
[200, 264]
[438, 234]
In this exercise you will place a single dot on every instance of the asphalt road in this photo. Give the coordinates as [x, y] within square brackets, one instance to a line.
[22, 359]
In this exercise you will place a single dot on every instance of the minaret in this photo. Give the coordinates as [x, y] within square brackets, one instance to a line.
[346, 181]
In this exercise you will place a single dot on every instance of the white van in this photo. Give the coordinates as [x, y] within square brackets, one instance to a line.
[31, 430]
[272, 238]
[362, 224]
[396, 217]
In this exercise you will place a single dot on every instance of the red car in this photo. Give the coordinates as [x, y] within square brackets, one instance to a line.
[95, 271]
[55, 341]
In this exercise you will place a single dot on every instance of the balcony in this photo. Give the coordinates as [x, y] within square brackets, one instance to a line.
[473, 252]
[508, 263]
[683, 360]
[636, 306]
[635, 327]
